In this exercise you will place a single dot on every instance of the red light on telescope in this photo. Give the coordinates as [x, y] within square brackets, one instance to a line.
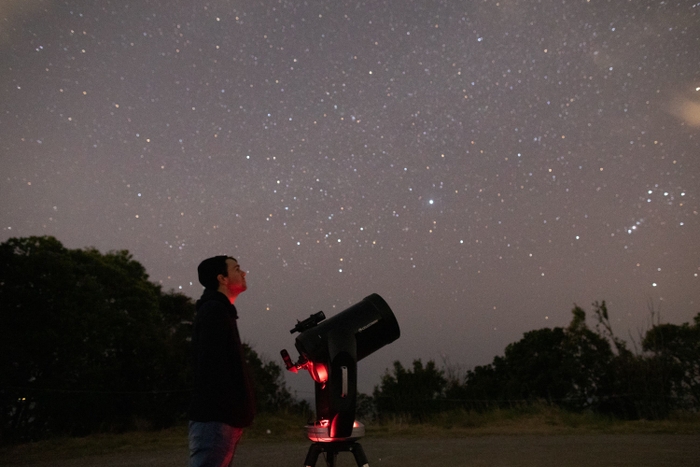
[318, 371]
[334, 428]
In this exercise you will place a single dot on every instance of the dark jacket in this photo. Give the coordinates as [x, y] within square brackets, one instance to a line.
[223, 390]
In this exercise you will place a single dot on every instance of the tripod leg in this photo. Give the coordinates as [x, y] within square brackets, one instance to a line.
[331, 456]
[359, 454]
[312, 455]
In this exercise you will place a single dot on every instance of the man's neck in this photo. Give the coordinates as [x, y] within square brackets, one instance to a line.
[231, 298]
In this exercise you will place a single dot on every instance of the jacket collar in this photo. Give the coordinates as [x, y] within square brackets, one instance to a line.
[216, 296]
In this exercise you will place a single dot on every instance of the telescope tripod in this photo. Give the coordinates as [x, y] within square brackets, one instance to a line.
[332, 449]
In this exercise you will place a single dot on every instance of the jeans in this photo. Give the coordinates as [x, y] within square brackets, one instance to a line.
[212, 444]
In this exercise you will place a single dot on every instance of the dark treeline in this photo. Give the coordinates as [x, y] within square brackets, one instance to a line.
[89, 344]
[575, 368]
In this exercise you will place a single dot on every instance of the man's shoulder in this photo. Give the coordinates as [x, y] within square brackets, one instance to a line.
[211, 306]
[210, 297]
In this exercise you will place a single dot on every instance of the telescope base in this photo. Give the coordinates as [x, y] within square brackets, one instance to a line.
[332, 449]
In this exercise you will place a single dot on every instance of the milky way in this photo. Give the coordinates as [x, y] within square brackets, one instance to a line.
[481, 165]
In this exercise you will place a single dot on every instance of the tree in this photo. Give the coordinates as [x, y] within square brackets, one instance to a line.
[417, 393]
[271, 392]
[678, 350]
[86, 341]
[641, 383]
[567, 367]
[589, 355]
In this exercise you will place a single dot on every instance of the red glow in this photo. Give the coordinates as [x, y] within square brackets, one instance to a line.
[334, 427]
[325, 431]
[318, 371]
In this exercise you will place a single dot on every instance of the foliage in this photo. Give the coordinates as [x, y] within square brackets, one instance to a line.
[575, 368]
[366, 410]
[640, 388]
[271, 392]
[88, 343]
[566, 367]
[417, 393]
[676, 350]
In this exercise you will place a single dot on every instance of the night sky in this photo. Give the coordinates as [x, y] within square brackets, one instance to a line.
[481, 165]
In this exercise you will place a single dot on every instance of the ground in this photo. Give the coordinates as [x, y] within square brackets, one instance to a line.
[636, 450]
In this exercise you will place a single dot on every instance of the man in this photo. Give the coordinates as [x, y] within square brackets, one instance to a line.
[222, 400]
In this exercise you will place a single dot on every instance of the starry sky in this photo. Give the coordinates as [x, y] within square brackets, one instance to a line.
[482, 165]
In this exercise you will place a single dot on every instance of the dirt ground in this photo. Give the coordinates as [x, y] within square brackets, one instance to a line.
[495, 451]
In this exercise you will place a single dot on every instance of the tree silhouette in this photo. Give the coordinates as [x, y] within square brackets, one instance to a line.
[563, 366]
[417, 393]
[88, 343]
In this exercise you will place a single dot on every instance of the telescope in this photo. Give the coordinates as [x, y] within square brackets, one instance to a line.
[329, 350]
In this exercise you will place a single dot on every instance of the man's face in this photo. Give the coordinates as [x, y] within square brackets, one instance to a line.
[235, 281]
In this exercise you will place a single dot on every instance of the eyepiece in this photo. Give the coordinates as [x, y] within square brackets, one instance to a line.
[308, 323]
